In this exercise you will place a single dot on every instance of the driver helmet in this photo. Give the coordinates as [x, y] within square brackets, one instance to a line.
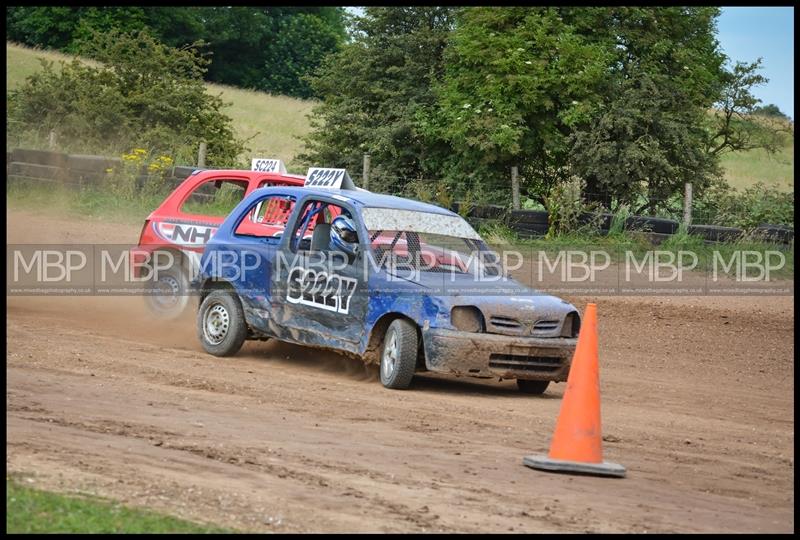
[343, 235]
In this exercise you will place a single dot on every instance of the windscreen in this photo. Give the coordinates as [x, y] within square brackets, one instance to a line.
[431, 252]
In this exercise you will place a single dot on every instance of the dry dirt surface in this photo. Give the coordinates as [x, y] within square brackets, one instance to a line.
[697, 403]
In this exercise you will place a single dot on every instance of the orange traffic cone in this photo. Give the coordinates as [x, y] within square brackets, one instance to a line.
[577, 442]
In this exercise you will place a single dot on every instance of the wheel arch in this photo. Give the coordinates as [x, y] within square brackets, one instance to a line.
[378, 332]
[210, 284]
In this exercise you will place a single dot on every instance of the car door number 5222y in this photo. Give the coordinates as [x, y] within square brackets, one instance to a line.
[322, 290]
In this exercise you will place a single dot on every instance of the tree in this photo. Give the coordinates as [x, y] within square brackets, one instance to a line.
[770, 110]
[516, 81]
[143, 94]
[66, 28]
[374, 89]
[647, 135]
[268, 49]
[641, 148]
[734, 126]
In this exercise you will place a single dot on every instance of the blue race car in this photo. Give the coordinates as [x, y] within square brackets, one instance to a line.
[395, 282]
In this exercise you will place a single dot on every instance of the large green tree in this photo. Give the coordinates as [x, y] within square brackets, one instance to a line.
[517, 80]
[375, 88]
[647, 136]
[617, 96]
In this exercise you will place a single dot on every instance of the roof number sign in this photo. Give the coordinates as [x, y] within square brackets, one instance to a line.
[268, 165]
[320, 177]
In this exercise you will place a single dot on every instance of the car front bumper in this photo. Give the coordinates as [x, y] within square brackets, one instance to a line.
[495, 355]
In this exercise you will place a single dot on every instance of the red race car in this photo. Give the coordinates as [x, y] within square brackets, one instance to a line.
[175, 233]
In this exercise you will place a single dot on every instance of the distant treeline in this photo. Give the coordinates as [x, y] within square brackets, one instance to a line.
[264, 48]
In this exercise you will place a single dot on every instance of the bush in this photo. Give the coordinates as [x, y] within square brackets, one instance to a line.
[565, 205]
[756, 205]
[143, 95]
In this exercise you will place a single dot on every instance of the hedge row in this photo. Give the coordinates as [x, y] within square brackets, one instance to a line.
[71, 169]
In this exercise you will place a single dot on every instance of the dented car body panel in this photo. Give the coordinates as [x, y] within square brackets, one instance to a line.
[323, 299]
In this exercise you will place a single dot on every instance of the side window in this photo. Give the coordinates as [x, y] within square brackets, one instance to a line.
[273, 183]
[267, 218]
[312, 232]
[215, 198]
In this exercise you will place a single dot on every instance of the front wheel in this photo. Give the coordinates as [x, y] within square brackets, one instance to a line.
[532, 387]
[399, 357]
[221, 325]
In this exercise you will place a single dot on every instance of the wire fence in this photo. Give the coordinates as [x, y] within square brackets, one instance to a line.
[493, 202]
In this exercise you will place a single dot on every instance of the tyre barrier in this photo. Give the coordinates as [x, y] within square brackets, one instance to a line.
[38, 157]
[488, 211]
[30, 170]
[651, 224]
[183, 172]
[92, 164]
[603, 221]
[536, 217]
[530, 230]
[773, 233]
[715, 233]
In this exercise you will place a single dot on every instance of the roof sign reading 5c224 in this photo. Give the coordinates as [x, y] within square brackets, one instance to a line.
[320, 177]
[268, 165]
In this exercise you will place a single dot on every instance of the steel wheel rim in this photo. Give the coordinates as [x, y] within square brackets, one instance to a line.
[168, 289]
[216, 322]
[389, 356]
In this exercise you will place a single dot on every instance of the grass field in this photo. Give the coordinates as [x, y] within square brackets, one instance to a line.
[30, 510]
[743, 169]
[273, 122]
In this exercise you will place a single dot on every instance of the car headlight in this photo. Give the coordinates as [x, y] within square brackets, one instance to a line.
[467, 319]
[572, 325]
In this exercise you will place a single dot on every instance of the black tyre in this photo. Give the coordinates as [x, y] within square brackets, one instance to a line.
[653, 224]
[168, 297]
[774, 233]
[532, 387]
[534, 217]
[715, 233]
[221, 325]
[399, 356]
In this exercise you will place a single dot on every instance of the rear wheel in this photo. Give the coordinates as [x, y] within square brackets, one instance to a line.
[399, 357]
[532, 387]
[169, 298]
[221, 325]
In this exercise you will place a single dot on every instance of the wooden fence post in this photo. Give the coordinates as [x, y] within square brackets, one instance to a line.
[52, 139]
[365, 174]
[515, 187]
[687, 205]
[201, 156]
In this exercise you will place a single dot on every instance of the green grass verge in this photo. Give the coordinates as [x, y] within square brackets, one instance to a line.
[92, 203]
[31, 510]
[618, 243]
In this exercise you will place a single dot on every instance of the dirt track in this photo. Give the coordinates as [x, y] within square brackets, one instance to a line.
[697, 398]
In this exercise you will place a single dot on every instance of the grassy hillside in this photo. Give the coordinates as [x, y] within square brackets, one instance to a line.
[275, 121]
[743, 169]
[272, 121]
